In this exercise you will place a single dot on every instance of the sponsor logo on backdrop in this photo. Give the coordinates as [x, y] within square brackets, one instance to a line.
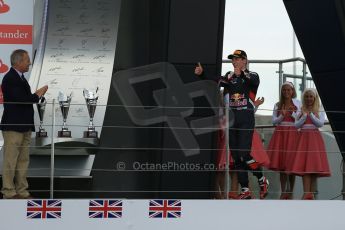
[3, 67]
[104, 19]
[83, 43]
[61, 18]
[86, 32]
[78, 70]
[83, 17]
[4, 8]
[65, 4]
[60, 42]
[54, 69]
[62, 30]
[103, 6]
[99, 70]
[15, 34]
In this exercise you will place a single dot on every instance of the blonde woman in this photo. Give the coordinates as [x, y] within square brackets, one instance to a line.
[310, 160]
[282, 146]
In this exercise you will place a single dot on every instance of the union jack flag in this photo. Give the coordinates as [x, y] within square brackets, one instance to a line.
[165, 209]
[43, 209]
[105, 209]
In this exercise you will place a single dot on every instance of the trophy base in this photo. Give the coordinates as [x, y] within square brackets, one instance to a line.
[41, 134]
[64, 133]
[90, 134]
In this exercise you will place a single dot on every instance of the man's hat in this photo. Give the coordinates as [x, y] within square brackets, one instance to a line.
[238, 53]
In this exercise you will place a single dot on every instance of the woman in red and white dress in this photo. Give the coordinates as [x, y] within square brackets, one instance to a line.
[258, 151]
[282, 146]
[310, 160]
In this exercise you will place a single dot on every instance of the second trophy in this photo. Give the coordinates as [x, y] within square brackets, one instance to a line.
[41, 106]
[64, 102]
[91, 103]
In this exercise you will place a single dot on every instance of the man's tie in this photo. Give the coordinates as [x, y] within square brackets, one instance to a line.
[22, 77]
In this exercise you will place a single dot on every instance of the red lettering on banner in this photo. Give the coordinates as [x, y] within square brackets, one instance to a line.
[15, 34]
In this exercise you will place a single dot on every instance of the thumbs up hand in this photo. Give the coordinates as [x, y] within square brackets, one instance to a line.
[198, 69]
[259, 101]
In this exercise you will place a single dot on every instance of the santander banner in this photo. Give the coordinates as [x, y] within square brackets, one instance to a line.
[16, 31]
[16, 34]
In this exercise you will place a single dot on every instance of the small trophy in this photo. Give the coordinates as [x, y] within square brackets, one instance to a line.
[91, 103]
[41, 106]
[64, 102]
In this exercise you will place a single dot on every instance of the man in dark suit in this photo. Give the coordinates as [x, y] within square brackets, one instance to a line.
[17, 123]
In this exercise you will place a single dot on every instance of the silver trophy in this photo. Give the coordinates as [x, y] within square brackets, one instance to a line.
[41, 106]
[64, 102]
[91, 103]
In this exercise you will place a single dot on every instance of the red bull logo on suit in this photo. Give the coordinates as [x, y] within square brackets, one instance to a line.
[238, 99]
